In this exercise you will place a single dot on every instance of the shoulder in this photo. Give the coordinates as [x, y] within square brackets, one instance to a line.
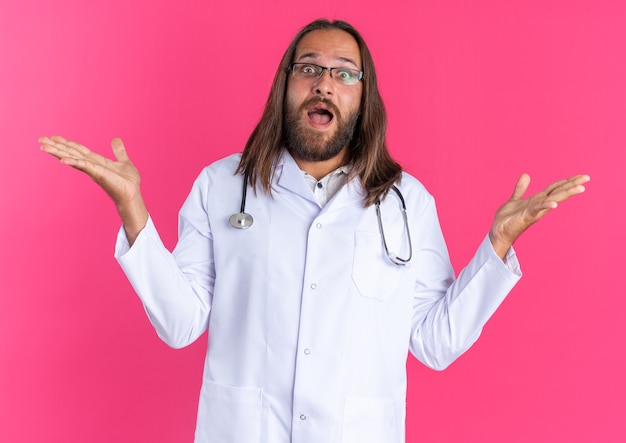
[224, 166]
[415, 194]
[217, 181]
[220, 171]
[218, 175]
[413, 187]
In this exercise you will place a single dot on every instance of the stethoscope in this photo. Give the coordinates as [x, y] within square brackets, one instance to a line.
[243, 220]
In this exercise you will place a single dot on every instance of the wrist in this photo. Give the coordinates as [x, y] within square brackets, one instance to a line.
[500, 246]
[134, 217]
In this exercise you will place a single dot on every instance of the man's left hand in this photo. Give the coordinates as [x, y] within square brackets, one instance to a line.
[518, 213]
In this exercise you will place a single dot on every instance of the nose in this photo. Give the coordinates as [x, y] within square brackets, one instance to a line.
[324, 84]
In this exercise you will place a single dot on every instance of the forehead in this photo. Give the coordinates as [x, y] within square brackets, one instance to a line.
[328, 46]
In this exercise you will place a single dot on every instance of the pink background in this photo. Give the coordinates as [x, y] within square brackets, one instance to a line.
[477, 93]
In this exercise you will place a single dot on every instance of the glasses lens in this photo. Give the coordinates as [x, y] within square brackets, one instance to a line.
[346, 76]
[305, 70]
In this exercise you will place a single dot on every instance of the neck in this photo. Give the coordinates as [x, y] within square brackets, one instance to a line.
[319, 169]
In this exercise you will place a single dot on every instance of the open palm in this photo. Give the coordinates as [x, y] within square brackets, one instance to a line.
[119, 179]
[519, 213]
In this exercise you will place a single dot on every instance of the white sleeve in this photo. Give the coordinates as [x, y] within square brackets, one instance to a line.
[175, 289]
[449, 314]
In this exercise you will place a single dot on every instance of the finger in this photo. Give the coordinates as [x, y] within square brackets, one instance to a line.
[93, 170]
[119, 150]
[560, 185]
[72, 146]
[62, 143]
[61, 147]
[546, 206]
[47, 141]
[75, 155]
[568, 188]
[58, 150]
[521, 186]
[81, 152]
[565, 193]
[580, 179]
[58, 139]
[538, 210]
[555, 187]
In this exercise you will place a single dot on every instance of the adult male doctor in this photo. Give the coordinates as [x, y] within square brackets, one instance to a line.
[312, 307]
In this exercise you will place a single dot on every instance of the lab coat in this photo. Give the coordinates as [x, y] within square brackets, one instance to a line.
[309, 321]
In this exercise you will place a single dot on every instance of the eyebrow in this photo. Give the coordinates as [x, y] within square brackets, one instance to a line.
[315, 55]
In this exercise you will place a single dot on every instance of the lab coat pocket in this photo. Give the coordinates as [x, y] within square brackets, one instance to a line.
[372, 272]
[368, 420]
[231, 414]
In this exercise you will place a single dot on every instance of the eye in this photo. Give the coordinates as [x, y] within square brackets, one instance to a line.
[308, 70]
[344, 74]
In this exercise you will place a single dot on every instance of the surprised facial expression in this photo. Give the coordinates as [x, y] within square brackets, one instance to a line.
[322, 112]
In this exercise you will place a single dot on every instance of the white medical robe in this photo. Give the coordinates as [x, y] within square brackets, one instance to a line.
[309, 321]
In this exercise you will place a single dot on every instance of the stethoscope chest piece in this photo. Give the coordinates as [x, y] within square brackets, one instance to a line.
[240, 220]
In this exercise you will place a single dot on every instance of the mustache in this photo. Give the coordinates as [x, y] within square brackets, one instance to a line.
[329, 104]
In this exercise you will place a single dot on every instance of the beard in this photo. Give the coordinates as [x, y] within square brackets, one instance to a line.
[312, 145]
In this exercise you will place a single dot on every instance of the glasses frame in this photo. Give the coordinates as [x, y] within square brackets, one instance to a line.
[330, 71]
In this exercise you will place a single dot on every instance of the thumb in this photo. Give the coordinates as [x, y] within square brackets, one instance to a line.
[119, 150]
[521, 187]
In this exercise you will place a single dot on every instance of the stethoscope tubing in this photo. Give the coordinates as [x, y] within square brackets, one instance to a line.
[242, 220]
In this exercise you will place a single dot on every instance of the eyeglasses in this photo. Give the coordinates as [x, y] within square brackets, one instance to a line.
[345, 76]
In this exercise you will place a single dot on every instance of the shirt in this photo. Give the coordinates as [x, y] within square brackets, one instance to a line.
[328, 186]
[309, 322]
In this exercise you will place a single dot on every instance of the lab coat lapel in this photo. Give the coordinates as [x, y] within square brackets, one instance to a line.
[291, 178]
[349, 193]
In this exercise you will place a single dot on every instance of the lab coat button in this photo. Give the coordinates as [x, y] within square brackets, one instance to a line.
[318, 226]
[302, 417]
[313, 286]
[307, 351]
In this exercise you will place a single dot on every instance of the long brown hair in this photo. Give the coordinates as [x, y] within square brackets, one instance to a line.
[367, 150]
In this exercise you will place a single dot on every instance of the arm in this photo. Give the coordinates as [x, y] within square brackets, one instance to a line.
[175, 289]
[175, 293]
[449, 314]
[119, 179]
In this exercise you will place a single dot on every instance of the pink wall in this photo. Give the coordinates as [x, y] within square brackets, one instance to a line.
[477, 92]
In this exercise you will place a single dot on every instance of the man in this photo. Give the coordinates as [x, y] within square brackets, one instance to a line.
[311, 303]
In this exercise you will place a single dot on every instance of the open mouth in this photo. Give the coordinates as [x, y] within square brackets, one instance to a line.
[319, 115]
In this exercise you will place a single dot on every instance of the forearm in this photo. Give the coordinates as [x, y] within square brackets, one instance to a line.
[449, 323]
[177, 306]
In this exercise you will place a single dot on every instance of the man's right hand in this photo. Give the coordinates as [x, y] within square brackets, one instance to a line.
[119, 179]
